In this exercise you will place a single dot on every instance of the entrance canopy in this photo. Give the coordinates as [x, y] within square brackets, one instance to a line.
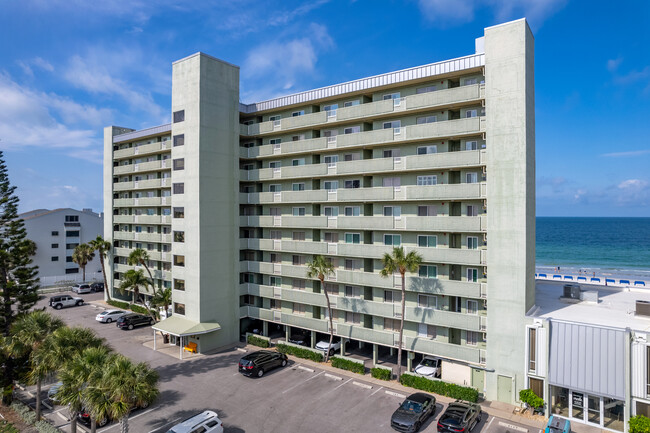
[181, 327]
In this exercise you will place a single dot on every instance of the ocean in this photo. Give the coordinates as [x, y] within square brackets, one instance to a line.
[604, 246]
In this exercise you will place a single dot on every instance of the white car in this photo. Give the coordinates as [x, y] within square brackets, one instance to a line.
[205, 422]
[108, 316]
[429, 366]
[82, 288]
[323, 345]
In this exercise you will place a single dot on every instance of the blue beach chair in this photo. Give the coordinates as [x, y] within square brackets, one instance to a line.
[639, 283]
[595, 280]
[609, 280]
[582, 279]
[568, 277]
[626, 282]
[542, 276]
[557, 277]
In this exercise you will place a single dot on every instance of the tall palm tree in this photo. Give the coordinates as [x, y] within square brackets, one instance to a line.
[133, 280]
[320, 267]
[141, 257]
[27, 336]
[82, 255]
[163, 298]
[79, 376]
[102, 247]
[127, 386]
[399, 261]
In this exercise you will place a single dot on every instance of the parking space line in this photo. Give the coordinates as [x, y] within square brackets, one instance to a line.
[362, 385]
[62, 417]
[302, 367]
[378, 389]
[297, 385]
[396, 394]
[130, 418]
[489, 424]
[338, 386]
[513, 427]
[46, 405]
[165, 425]
[331, 376]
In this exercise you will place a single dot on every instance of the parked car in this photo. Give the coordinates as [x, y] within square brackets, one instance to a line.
[60, 301]
[429, 366]
[81, 288]
[413, 412]
[131, 320]
[84, 417]
[301, 338]
[108, 316]
[97, 287]
[558, 425]
[460, 416]
[51, 393]
[205, 422]
[323, 345]
[258, 363]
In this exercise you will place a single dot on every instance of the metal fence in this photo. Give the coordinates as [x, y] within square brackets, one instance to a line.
[70, 279]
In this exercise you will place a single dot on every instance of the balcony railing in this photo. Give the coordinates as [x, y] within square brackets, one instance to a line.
[142, 167]
[144, 149]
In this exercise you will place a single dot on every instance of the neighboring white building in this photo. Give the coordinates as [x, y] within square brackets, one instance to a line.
[56, 233]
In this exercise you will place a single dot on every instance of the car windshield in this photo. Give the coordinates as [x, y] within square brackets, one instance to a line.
[411, 406]
[429, 362]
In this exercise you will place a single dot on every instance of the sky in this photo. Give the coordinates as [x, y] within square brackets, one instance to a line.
[68, 68]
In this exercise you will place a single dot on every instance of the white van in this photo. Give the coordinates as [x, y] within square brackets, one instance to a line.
[205, 422]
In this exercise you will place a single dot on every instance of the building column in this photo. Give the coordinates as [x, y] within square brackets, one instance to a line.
[361, 344]
[392, 351]
[343, 342]
[286, 332]
[375, 354]
[409, 360]
[313, 339]
[265, 328]
[628, 378]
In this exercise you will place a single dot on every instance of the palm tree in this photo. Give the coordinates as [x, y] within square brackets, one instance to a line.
[320, 267]
[401, 262]
[163, 298]
[132, 280]
[102, 247]
[141, 257]
[80, 377]
[83, 254]
[126, 386]
[27, 336]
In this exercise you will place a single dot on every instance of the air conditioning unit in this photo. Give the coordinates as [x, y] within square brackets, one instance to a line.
[571, 291]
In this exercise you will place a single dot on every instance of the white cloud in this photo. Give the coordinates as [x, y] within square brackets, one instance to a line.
[633, 184]
[613, 64]
[626, 154]
[444, 11]
[26, 65]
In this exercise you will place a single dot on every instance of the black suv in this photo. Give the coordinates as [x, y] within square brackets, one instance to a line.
[257, 363]
[129, 321]
[460, 416]
[97, 287]
[302, 338]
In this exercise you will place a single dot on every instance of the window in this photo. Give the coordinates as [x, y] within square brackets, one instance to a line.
[331, 211]
[394, 211]
[647, 361]
[351, 157]
[471, 113]
[391, 325]
[275, 187]
[55, 245]
[179, 284]
[276, 304]
[330, 133]
[426, 89]
[298, 284]
[298, 260]
[352, 264]
[55, 233]
[425, 150]
[469, 81]
[429, 210]
[355, 183]
[72, 218]
[395, 95]
[427, 241]
[298, 113]
[179, 308]
[179, 260]
[275, 142]
[275, 281]
[472, 306]
[178, 188]
[179, 236]
[392, 296]
[352, 130]
[352, 317]
[72, 234]
[471, 177]
[392, 124]
[427, 180]
[425, 119]
[297, 137]
[394, 240]
[297, 162]
[275, 234]
[179, 116]
[274, 118]
[427, 331]
[71, 246]
[427, 301]
[472, 210]
[472, 338]
[471, 145]
[351, 103]
[352, 292]
[472, 242]
[298, 211]
[331, 160]
[331, 237]
[275, 211]
[332, 289]
[331, 185]
[352, 210]
[72, 271]
[391, 153]
[428, 271]
[276, 258]
[55, 258]
[179, 164]
[331, 107]
[275, 164]
[179, 212]
[68, 259]
[298, 187]
[299, 309]
[352, 238]
[472, 274]
[298, 236]
[179, 140]
[248, 300]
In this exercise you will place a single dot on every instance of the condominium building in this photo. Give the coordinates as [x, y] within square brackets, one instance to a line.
[56, 233]
[232, 200]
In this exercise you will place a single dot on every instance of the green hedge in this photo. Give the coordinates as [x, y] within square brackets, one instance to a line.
[440, 387]
[118, 304]
[6, 427]
[140, 309]
[639, 424]
[257, 341]
[381, 373]
[299, 352]
[346, 364]
[530, 398]
[126, 306]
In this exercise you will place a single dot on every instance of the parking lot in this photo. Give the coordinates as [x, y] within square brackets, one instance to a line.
[296, 398]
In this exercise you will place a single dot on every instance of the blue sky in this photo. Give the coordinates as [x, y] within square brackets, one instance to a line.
[70, 67]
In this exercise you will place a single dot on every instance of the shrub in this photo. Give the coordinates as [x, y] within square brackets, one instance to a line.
[381, 373]
[46, 427]
[346, 364]
[139, 309]
[24, 412]
[639, 424]
[530, 398]
[118, 304]
[300, 352]
[257, 341]
[439, 387]
[6, 427]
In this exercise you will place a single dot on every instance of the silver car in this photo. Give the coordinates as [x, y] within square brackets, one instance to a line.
[108, 316]
[82, 288]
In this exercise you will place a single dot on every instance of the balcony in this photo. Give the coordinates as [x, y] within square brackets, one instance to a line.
[144, 237]
[142, 184]
[311, 222]
[142, 201]
[142, 219]
[141, 167]
[439, 98]
[157, 274]
[445, 350]
[145, 149]
[358, 332]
